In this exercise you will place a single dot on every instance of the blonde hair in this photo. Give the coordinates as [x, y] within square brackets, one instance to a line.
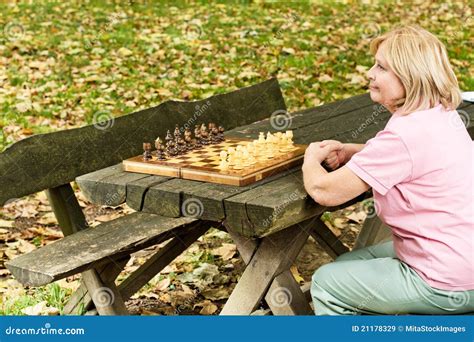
[421, 63]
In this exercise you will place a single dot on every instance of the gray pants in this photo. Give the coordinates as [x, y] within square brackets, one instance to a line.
[373, 281]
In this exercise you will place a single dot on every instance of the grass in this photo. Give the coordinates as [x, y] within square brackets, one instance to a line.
[124, 57]
[53, 294]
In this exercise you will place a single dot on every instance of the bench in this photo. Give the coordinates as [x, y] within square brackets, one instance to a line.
[51, 161]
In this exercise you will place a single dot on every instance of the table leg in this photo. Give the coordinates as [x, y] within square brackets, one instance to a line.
[326, 238]
[275, 255]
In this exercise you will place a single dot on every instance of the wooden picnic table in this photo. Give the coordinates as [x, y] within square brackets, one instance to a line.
[270, 220]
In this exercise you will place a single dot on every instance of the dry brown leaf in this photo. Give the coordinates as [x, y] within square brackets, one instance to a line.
[6, 224]
[226, 251]
[163, 284]
[208, 308]
[25, 246]
[357, 217]
[48, 219]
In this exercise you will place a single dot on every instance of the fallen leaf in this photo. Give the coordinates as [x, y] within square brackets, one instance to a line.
[163, 284]
[6, 224]
[296, 274]
[208, 308]
[226, 251]
[40, 309]
[216, 294]
[357, 217]
[48, 219]
[123, 51]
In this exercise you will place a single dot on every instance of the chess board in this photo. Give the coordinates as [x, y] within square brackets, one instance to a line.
[203, 165]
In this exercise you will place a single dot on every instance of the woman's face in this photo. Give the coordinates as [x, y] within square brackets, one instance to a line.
[385, 87]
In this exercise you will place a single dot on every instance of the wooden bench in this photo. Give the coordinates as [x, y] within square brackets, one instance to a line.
[51, 161]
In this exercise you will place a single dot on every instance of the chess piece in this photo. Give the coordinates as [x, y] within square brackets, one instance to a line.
[220, 135]
[168, 137]
[204, 135]
[160, 153]
[215, 135]
[147, 151]
[197, 137]
[188, 139]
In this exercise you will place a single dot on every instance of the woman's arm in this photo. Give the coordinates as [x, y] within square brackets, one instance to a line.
[352, 149]
[333, 188]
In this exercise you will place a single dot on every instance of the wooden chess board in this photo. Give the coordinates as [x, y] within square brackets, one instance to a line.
[203, 165]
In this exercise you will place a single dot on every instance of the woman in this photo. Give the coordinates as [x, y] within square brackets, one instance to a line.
[421, 169]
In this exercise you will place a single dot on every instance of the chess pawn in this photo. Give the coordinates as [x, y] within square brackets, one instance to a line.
[261, 138]
[197, 137]
[188, 139]
[204, 135]
[177, 133]
[221, 134]
[159, 149]
[181, 146]
[223, 155]
[168, 137]
[147, 151]
[215, 135]
[223, 165]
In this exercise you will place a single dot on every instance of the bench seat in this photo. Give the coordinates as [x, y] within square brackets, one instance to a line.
[93, 247]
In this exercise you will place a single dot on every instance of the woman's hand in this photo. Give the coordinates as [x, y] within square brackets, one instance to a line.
[337, 156]
[315, 153]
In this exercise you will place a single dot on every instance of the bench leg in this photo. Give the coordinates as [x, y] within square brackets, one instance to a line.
[81, 300]
[105, 294]
[275, 255]
[160, 260]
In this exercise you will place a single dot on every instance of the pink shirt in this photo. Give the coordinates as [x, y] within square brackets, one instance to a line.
[421, 170]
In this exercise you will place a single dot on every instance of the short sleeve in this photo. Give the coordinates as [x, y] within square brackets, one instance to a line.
[383, 163]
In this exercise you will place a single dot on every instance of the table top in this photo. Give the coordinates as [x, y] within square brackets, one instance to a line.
[254, 210]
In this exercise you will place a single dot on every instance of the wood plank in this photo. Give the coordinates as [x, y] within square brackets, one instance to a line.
[307, 117]
[111, 239]
[270, 207]
[136, 190]
[274, 256]
[108, 186]
[285, 298]
[182, 197]
[48, 160]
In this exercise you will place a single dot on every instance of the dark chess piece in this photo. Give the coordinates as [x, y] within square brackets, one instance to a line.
[197, 137]
[160, 149]
[168, 137]
[181, 146]
[204, 135]
[220, 135]
[147, 151]
[188, 138]
[215, 135]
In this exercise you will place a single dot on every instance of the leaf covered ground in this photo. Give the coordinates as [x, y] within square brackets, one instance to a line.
[64, 65]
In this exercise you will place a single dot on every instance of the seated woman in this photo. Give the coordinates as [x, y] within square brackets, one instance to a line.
[421, 170]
